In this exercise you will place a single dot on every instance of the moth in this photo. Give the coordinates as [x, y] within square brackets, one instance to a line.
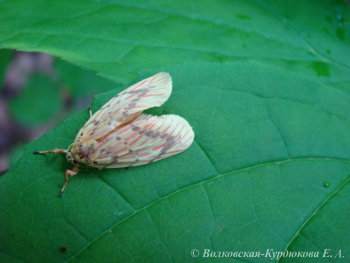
[119, 135]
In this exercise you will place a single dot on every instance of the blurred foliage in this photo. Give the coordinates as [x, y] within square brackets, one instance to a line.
[15, 154]
[5, 58]
[39, 102]
[81, 82]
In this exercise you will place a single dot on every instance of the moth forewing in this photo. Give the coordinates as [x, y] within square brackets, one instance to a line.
[126, 106]
[118, 135]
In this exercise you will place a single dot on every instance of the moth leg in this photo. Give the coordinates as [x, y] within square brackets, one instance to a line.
[90, 112]
[52, 151]
[72, 172]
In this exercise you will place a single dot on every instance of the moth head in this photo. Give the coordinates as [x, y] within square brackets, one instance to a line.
[70, 158]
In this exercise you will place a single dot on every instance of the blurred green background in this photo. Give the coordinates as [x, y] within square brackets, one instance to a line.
[38, 92]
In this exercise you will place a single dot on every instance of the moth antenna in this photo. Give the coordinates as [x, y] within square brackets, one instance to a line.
[70, 146]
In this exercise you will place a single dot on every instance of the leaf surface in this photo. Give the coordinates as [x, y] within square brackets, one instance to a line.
[265, 87]
[119, 38]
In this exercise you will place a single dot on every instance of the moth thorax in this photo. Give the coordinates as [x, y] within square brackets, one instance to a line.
[69, 157]
[82, 152]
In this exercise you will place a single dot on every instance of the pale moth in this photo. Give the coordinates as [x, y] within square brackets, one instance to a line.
[118, 135]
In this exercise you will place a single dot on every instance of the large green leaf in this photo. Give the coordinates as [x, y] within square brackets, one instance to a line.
[270, 165]
[269, 169]
[119, 38]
